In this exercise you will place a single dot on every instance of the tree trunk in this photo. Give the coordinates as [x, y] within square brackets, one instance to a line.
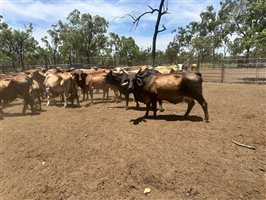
[156, 33]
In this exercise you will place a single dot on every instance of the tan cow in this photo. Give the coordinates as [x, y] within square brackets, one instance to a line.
[61, 83]
[96, 81]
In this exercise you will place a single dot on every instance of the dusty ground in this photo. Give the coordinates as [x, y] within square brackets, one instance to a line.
[105, 152]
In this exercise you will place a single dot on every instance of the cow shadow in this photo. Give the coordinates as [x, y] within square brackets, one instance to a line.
[191, 118]
[20, 114]
[129, 108]
[102, 101]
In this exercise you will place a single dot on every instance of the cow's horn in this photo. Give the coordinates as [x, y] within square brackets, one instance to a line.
[125, 83]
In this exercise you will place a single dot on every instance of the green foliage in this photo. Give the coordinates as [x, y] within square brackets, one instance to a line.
[242, 18]
[16, 45]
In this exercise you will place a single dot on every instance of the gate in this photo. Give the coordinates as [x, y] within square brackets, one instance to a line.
[236, 71]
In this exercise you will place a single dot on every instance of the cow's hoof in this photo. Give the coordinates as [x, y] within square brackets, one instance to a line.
[206, 120]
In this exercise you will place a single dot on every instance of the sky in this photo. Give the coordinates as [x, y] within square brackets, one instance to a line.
[43, 13]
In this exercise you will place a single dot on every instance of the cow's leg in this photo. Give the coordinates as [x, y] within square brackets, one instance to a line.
[160, 106]
[77, 97]
[148, 105]
[107, 93]
[87, 94]
[62, 98]
[204, 106]
[127, 99]
[28, 100]
[116, 95]
[137, 104]
[66, 95]
[31, 102]
[154, 107]
[1, 110]
[91, 95]
[48, 96]
[190, 105]
[84, 94]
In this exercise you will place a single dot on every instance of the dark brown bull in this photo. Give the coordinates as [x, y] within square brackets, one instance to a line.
[14, 87]
[174, 88]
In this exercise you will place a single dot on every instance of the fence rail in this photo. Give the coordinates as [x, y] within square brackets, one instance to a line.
[236, 71]
[251, 70]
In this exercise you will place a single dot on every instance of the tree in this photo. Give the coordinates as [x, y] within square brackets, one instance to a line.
[16, 44]
[248, 17]
[163, 8]
[82, 36]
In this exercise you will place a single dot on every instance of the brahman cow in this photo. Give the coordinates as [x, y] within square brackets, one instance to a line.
[151, 87]
[120, 82]
[124, 83]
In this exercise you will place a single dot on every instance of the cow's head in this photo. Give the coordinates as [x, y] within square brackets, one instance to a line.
[128, 80]
[79, 75]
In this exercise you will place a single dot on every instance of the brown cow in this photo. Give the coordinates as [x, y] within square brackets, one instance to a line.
[174, 88]
[14, 87]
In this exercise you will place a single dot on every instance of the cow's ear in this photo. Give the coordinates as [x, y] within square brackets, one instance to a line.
[139, 82]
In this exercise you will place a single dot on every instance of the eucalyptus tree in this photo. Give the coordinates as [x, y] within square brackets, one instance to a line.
[87, 33]
[52, 43]
[81, 36]
[181, 43]
[16, 44]
[249, 20]
[129, 50]
[113, 46]
[7, 48]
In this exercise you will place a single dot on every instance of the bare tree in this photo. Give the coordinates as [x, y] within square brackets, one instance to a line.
[163, 8]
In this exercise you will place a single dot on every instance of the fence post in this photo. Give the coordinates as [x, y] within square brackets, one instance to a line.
[257, 70]
[222, 72]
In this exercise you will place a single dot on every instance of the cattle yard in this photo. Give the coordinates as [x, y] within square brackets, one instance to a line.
[103, 151]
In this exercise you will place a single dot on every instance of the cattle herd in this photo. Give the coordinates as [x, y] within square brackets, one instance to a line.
[148, 85]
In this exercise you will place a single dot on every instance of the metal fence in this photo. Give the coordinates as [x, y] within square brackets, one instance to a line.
[251, 71]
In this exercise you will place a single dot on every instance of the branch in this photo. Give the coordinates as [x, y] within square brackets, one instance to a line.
[243, 145]
[162, 29]
[137, 19]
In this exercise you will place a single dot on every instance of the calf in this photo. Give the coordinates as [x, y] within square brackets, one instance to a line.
[174, 88]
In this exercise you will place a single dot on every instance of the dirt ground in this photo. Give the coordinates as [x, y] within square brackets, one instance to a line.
[102, 151]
